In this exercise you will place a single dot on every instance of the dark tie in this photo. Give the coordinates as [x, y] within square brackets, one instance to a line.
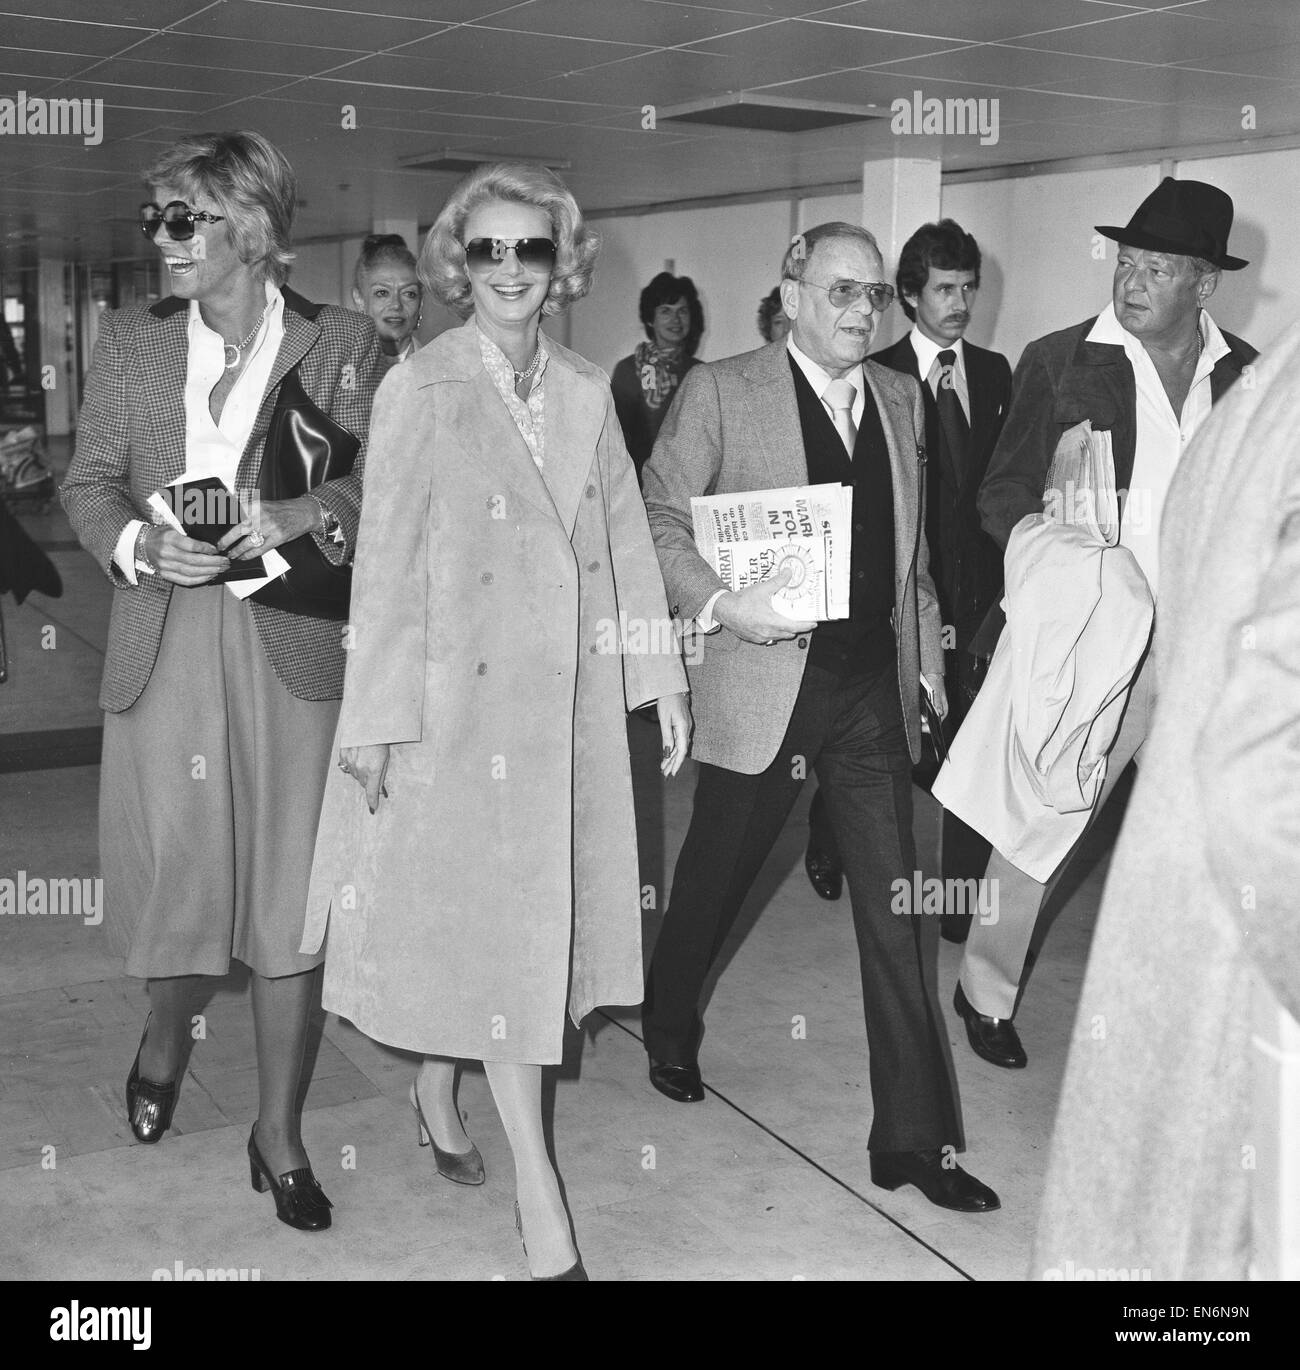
[952, 418]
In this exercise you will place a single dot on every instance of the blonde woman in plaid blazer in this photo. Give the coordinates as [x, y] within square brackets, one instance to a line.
[220, 711]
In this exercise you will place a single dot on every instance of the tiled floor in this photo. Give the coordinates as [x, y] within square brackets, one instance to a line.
[766, 1179]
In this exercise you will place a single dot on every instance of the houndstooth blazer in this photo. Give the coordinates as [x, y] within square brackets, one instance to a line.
[131, 442]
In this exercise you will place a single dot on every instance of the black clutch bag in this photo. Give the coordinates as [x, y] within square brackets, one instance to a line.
[305, 448]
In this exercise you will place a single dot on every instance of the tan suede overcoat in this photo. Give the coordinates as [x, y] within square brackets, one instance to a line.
[503, 625]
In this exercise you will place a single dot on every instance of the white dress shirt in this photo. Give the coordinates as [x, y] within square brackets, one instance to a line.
[215, 448]
[1162, 436]
[927, 353]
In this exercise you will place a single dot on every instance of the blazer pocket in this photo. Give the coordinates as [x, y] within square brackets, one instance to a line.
[724, 640]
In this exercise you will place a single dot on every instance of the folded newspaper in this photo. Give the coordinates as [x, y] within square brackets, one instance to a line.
[749, 535]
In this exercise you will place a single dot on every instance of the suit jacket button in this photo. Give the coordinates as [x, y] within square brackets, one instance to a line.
[482, 668]
[591, 492]
[803, 642]
[593, 566]
[486, 577]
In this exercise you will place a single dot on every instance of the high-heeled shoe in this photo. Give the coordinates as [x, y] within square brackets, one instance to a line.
[149, 1107]
[460, 1167]
[299, 1199]
[572, 1275]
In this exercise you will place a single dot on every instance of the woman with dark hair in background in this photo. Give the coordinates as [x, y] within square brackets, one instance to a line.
[385, 286]
[220, 709]
[772, 321]
[645, 383]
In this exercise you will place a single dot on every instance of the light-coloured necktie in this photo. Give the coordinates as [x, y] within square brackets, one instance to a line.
[838, 397]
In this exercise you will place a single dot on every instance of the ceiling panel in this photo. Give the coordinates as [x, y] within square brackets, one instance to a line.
[236, 54]
[285, 23]
[57, 35]
[655, 25]
[568, 79]
[145, 14]
[27, 65]
[985, 22]
[1158, 37]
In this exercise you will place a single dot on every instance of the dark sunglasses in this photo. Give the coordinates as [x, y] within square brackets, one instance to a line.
[177, 218]
[533, 254]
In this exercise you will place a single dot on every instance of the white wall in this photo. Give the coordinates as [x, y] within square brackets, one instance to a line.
[1261, 300]
[732, 253]
[1041, 269]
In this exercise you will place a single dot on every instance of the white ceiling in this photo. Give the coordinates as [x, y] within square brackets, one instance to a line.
[568, 79]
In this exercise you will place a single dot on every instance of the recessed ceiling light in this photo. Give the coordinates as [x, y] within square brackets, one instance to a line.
[449, 160]
[768, 113]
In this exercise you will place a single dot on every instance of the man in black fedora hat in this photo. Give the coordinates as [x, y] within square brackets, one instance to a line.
[1148, 369]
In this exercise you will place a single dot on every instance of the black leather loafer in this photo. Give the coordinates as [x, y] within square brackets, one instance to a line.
[149, 1107]
[947, 1186]
[680, 1083]
[299, 1199]
[995, 1039]
[825, 874]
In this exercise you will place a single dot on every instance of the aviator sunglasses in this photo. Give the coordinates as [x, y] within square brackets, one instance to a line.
[844, 293]
[533, 254]
[177, 218]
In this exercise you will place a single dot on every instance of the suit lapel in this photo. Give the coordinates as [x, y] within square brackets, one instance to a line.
[774, 409]
[574, 416]
[895, 419]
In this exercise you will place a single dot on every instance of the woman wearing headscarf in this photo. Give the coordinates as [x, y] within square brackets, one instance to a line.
[644, 383]
[220, 709]
[508, 613]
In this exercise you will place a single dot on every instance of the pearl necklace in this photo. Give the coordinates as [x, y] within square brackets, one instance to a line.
[238, 348]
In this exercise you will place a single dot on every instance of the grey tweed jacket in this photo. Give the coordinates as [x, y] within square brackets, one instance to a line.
[131, 441]
[734, 425]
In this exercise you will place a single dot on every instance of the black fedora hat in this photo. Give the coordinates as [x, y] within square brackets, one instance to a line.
[1191, 218]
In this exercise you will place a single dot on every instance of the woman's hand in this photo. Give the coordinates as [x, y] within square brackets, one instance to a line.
[269, 522]
[367, 766]
[179, 559]
[675, 725]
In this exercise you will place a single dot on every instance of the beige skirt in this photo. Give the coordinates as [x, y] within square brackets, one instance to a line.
[210, 793]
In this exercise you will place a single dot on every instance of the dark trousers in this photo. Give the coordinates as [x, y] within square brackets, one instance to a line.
[963, 852]
[850, 731]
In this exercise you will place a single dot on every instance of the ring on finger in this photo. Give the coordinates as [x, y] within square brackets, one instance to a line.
[255, 539]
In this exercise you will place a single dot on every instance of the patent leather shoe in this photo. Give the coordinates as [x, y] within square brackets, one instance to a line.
[681, 1083]
[824, 872]
[460, 1167]
[947, 1186]
[299, 1199]
[995, 1039]
[149, 1107]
